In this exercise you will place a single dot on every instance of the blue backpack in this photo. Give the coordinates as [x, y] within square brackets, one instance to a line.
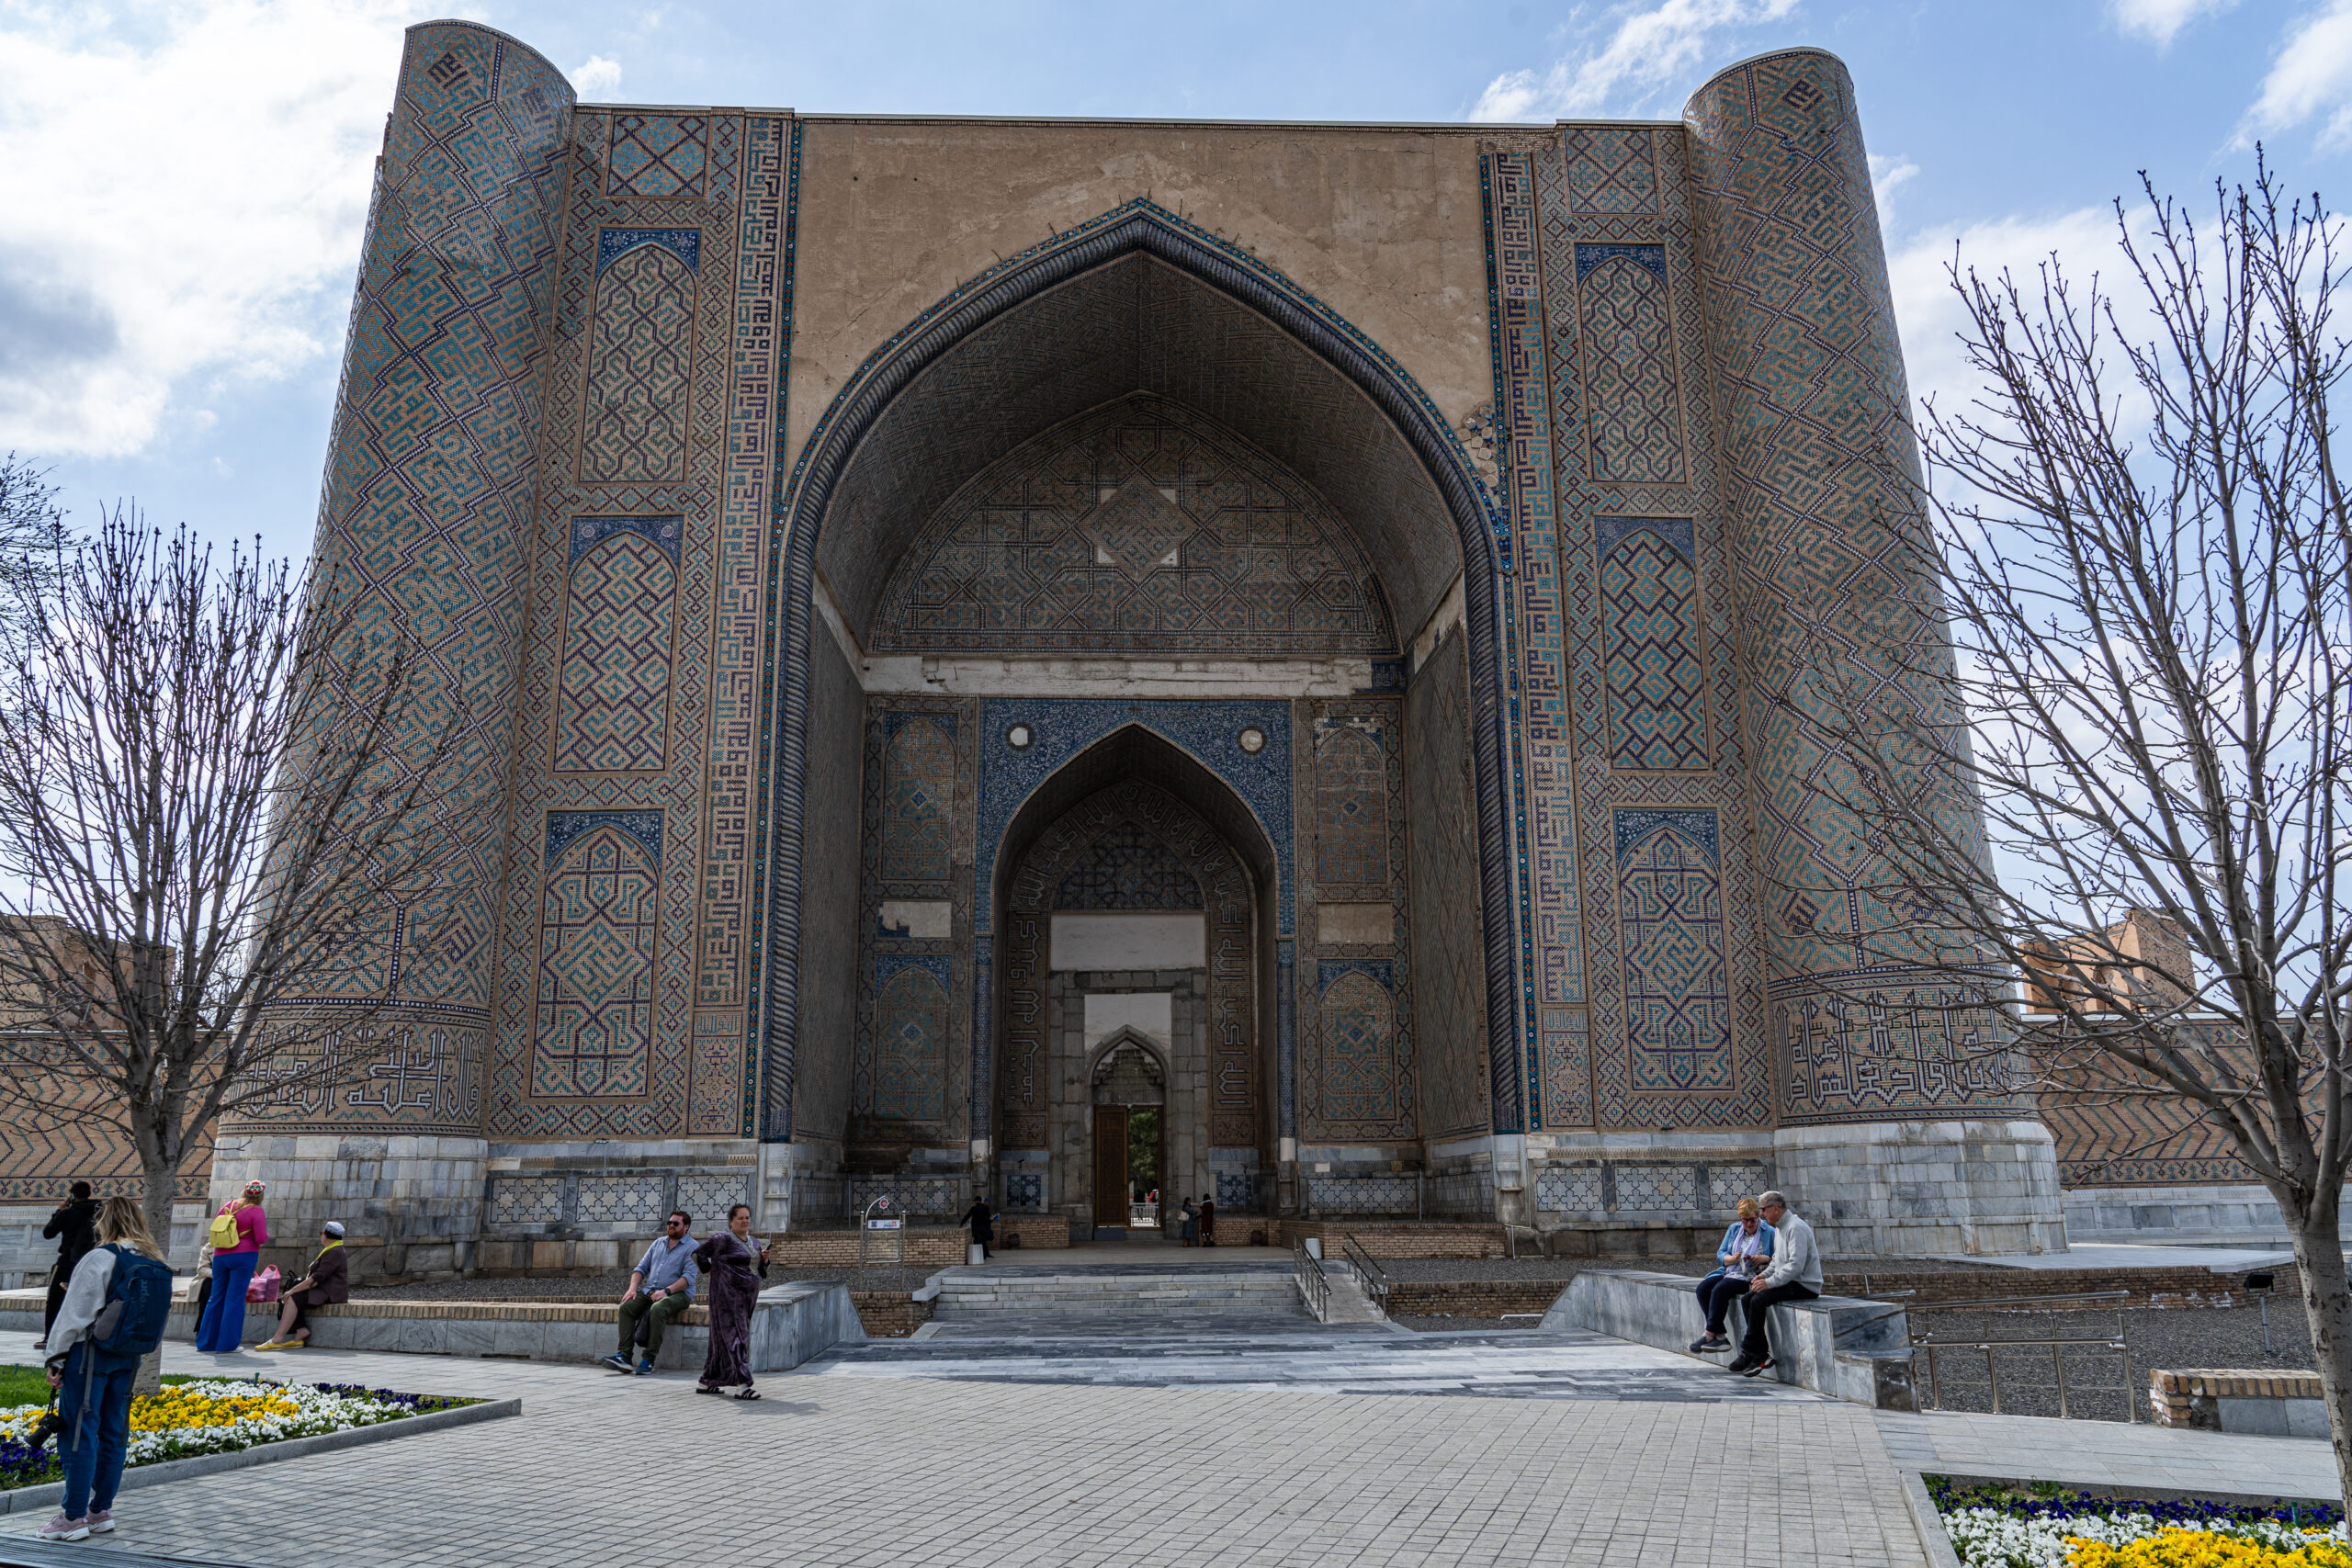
[139, 1301]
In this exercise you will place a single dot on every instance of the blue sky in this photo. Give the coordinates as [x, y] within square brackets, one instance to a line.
[185, 180]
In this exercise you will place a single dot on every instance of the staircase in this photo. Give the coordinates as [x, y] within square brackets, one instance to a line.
[1344, 1298]
[1232, 1298]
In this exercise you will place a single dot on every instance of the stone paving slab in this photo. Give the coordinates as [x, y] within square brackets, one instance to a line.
[839, 1471]
[2108, 1453]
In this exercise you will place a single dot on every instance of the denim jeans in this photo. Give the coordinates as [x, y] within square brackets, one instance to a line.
[223, 1326]
[93, 1464]
[1715, 1296]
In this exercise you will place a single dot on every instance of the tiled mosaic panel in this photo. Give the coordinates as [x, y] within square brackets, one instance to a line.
[1589, 789]
[1354, 1026]
[919, 797]
[1610, 168]
[1025, 1086]
[526, 1201]
[706, 1198]
[1677, 995]
[640, 353]
[905, 1078]
[657, 155]
[1578, 1189]
[1399, 1196]
[695, 1078]
[606, 1199]
[1025, 1191]
[1815, 409]
[1142, 527]
[602, 911]
[1128, 868]
[429, 494]
[1727, 1184]
[1654, 1187]
[1638, 1187]
[614, 713]
[1651, 638]
[925, 1197]
[1240, 1192]
[1359, 1078]
[911, 1059]
[1634, 392]
[38, 1155]
[2110, 1132]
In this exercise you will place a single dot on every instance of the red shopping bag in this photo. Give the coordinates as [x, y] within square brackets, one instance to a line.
[264, 1285]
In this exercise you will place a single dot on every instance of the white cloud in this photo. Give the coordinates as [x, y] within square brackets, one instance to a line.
[1930, 315]
[600, 78]
[1647, 50]
[186, 184]
[2311, 74]
[1888, 173]
[2159, 21]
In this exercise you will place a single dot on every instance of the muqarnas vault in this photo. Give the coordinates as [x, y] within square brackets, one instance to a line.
[1015, 654]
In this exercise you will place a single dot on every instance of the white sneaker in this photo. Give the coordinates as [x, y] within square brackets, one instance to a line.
[101, 1521]
[63, 1528]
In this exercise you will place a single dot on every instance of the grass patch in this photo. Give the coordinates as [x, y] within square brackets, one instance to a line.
[29, 1385]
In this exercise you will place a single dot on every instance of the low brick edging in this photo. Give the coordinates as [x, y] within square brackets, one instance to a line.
[889, 1314]
[2187, 1397]
[2180, 1287]
[1383, 1238]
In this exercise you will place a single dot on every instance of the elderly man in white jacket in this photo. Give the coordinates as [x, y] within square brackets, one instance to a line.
[1794, 1275]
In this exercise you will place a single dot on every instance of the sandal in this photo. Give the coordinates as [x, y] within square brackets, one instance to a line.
[706, 1388]
[747, 1391]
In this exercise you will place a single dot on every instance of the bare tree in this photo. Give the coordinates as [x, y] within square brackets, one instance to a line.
[2140, 547]
[216, 784]
[32, 537]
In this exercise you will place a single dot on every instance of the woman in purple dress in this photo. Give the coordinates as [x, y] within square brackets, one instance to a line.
[736, 1262]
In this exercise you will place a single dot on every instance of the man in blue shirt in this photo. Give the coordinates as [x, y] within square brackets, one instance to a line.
[659, 1288]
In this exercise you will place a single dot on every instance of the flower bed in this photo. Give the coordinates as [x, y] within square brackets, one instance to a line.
[2049, 1527]
[213, 1415]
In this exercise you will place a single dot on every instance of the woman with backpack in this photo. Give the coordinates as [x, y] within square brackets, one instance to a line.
[114, 1311]
[237, 1235]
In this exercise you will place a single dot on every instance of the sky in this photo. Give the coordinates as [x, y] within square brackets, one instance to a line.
[185, 180]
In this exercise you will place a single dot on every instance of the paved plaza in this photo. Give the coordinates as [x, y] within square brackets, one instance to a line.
[1243, 1448]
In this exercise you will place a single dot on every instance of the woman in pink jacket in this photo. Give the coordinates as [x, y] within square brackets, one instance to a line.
[223, 1328]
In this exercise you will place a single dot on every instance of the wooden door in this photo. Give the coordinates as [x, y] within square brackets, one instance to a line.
[1111, 1165]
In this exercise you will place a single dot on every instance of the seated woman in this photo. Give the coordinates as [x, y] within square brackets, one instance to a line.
[1746, 1248]
[328, 1282]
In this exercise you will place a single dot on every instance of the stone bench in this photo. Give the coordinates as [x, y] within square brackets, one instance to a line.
[2261, 1403]
[792, 1322]
[1842, 1345]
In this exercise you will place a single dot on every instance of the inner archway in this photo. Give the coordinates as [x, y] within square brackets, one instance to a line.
[1134, 944]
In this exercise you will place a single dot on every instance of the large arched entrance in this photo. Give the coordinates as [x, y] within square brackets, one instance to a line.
[1132, 527]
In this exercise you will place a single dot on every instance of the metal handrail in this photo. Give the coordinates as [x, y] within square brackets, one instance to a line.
[2021, 1301]
[1313, 1287]
[1374, 1278]
[2120, 1342]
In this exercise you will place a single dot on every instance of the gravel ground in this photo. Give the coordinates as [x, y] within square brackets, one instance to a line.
[2225, 1338]
[1565, 1268]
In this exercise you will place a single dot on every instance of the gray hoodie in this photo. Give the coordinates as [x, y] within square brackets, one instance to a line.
[1795, 1258]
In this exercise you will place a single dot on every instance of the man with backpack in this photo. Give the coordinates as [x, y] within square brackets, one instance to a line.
[114, 1308]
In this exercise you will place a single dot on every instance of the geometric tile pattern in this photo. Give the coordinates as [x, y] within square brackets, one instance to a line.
[1141, 527]
[2112, 1133]
[695, 1076]
[657, 155]
[1449, 988]
[1128, 868]
[1678, 999]
[1357, 1068]
[1610, 168]
[1650, 610]
[640, 354]
[918, 799]
[905, 1078]
[1815, 410]
[614, 712]
[430, 478]
[597, 937]
[1635, 398]
[1359, 1077]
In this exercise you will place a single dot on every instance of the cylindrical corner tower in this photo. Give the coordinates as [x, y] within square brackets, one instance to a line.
[1897, 1132]
[427, 507]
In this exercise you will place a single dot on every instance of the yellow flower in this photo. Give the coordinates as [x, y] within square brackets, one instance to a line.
[2177, 1547]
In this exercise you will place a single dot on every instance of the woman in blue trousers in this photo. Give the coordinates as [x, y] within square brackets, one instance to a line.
[223, 1328]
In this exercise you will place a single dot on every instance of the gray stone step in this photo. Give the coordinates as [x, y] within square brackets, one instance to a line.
[1044, 1294]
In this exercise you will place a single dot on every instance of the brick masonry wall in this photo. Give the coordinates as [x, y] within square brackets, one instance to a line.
[889, 1314]
[1438, 1240]
[2187, 1398]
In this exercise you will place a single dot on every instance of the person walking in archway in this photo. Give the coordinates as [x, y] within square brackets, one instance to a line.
[1208, 1219]
[737, 1261]
[982, 1219]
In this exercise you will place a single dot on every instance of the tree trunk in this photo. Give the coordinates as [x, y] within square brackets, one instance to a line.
[157, 1202]
[2327, 1303]
[151, 1374]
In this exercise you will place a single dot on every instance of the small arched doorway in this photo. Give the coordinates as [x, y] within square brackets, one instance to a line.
[1134, 893]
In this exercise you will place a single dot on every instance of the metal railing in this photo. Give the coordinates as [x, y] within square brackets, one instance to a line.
[1369, 1273]
[1313, 1288]
[1925, 1342]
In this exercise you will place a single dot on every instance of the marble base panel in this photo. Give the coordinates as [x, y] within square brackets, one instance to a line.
[410, 1205]
[1924, 1189]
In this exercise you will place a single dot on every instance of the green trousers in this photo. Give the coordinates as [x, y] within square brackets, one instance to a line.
[662, 1312]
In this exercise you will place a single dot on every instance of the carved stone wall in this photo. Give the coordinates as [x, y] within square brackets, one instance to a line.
[1448, 980]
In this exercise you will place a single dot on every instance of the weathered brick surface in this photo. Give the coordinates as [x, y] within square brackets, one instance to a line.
[2186, 1287]
[1472, 1298]
[1392, 1239]
[889, 1314]
[2187, 1397]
